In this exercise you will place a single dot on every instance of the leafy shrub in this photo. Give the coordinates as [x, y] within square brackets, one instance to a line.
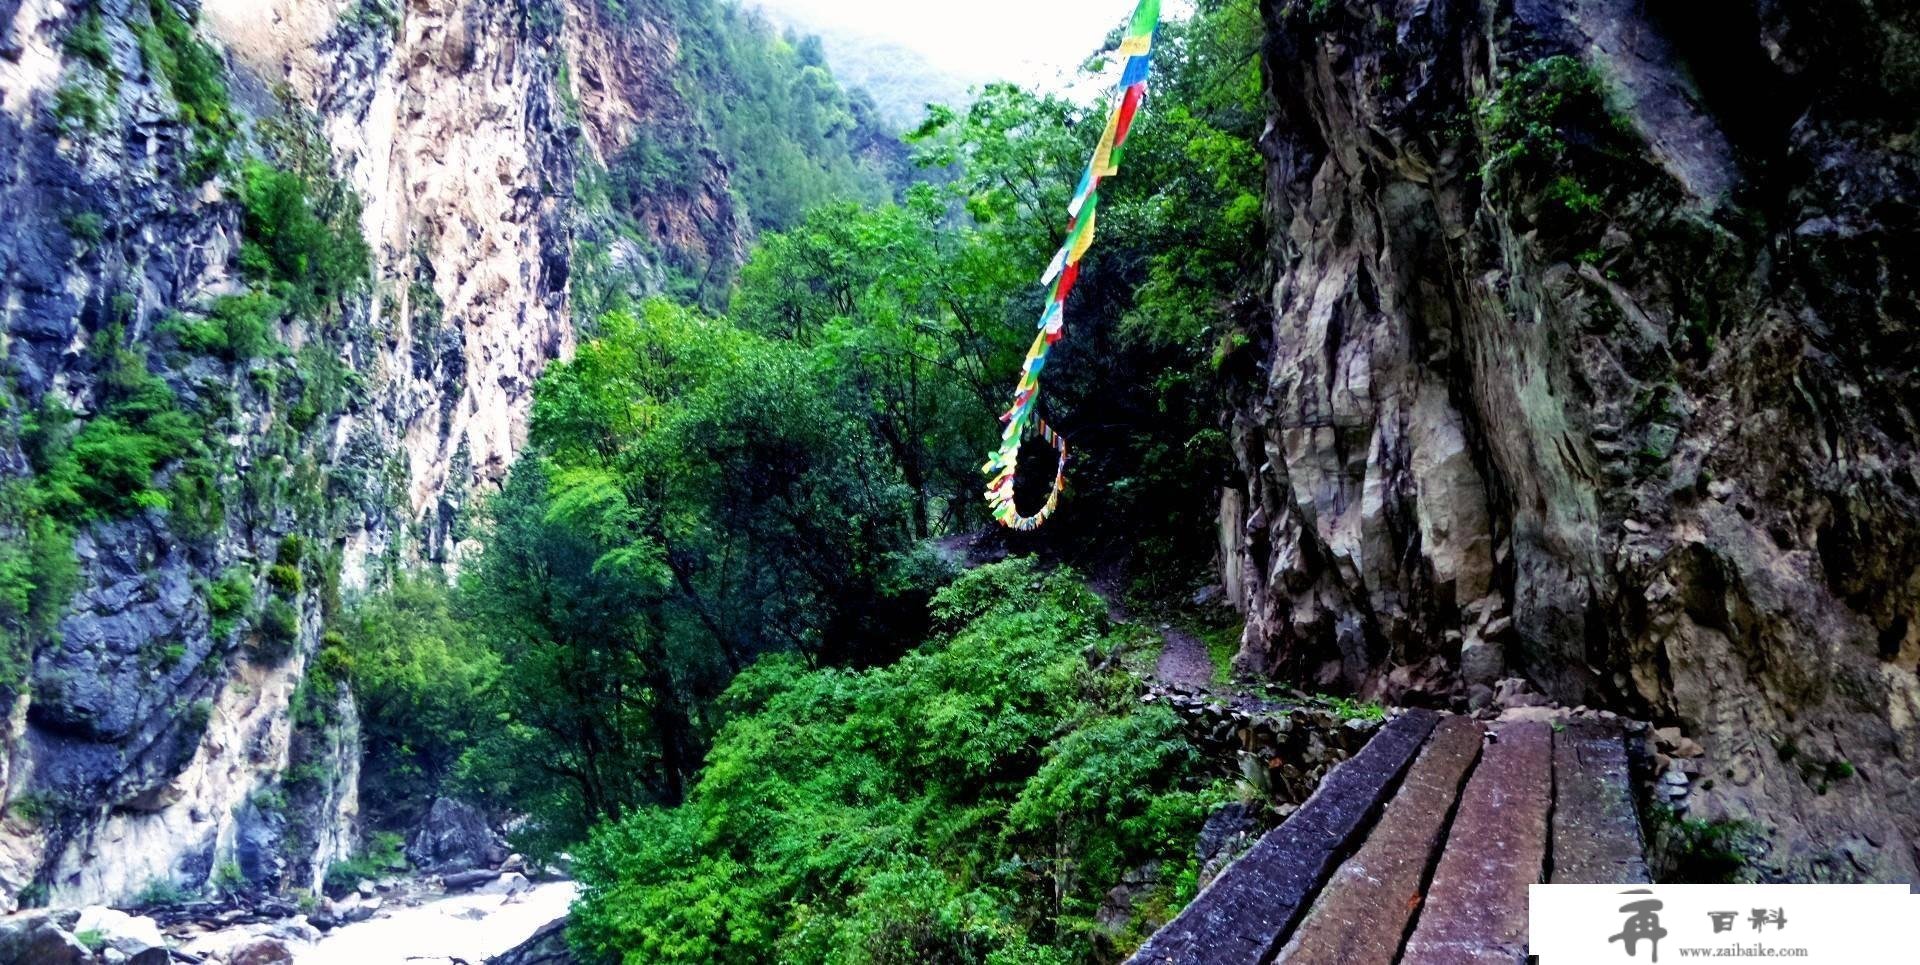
[228, 880]
[302, 236]
[171, 654]
[284, 578]
[105, 467]
[31, 808]
[193, 71]
[159, 893]
[88, 226]
[385, 852]
[917, 812]
[279, 630]
[236, 327]
[88, 41]
[77, 109]
[228, 599]
[424, 686]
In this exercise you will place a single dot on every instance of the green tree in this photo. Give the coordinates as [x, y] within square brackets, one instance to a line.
[971, 803]
[426, 689]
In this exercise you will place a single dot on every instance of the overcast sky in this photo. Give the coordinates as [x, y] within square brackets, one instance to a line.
[1036, 42]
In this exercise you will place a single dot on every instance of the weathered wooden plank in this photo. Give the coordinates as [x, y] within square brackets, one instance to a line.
[1596, 830]
[1362, 913]
[1476, 908]
[1244, 915]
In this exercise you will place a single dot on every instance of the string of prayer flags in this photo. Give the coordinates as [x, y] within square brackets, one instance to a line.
[1061, 274]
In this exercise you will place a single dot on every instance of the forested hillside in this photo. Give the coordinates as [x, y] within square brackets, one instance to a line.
[474, 450]
[724, 514]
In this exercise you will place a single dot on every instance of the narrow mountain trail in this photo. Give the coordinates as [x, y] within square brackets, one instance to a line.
[1421, 849]
[1184, 661]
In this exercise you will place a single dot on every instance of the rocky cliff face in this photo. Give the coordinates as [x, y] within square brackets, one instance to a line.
[175, 724]
[1592, 361]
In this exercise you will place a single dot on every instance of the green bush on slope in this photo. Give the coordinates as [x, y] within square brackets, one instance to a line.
[972, 803]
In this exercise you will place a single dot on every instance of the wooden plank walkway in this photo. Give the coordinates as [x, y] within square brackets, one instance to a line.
[1420, 850]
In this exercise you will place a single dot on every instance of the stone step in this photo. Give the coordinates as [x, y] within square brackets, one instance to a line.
[1362, 914]
[1596, 830]
[1476, 908]
[1243, 916]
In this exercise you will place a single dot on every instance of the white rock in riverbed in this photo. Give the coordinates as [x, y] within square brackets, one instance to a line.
[129, 934]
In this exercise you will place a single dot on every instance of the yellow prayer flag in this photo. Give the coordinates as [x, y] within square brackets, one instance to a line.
[1103, 166]
[1084, 240]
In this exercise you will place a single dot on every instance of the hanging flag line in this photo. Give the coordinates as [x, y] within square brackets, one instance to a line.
[1060, 276]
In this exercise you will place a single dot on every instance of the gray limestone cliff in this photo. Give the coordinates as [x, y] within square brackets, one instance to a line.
[1592, 361]
[172, 721]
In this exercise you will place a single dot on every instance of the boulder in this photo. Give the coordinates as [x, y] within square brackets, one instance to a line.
[454, 836]
[354, 908]
[511, 883]
[548, 946]
[296, 929]
[130, 934]
[38, 937]
[260, 951]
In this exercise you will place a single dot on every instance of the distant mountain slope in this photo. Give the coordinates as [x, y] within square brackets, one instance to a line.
[901, 82]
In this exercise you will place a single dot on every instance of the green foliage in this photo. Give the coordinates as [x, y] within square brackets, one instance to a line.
[160, 892]
[791, 138]
[384, 853]
[228, 600]
[279, 631]
[303, 236]
[1349, 708]
[972, 802]
[193, 71]
[284, 578]
[31, 808]
[38, 572]
[228, 880]
[171, 654]
[1548, 129]
[78, 109]
[87, 40]
[91, 938]
[1699, 851]
[197, 715]
[900, 314]
[373, 15]
[236, 328]
[1152, 328]
[425, 687]
[88, 226]
[104, 467]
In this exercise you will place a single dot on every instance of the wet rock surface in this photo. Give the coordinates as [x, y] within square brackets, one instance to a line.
[1596, 827]
[1247, 911]
[1623, 407]
[455, 836]
[1361, 916]
[1476, 907]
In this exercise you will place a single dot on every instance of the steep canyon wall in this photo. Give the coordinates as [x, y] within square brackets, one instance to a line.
[169, 724]
[1592, 361]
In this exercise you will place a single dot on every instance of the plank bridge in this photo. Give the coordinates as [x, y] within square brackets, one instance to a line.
[1420, 848]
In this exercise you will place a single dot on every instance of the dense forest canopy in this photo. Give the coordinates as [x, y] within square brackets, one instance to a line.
[725, 528]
